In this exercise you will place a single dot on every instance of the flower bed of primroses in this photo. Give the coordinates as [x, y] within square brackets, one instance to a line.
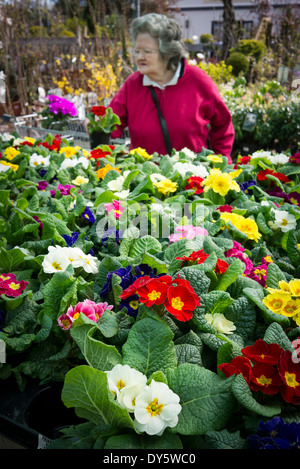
[163, 292]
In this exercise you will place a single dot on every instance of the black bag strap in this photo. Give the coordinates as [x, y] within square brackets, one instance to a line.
[163, 123]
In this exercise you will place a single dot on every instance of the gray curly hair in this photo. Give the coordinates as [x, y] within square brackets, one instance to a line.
[168, 34]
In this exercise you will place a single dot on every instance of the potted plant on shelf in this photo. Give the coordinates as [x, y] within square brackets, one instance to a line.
[102, 121]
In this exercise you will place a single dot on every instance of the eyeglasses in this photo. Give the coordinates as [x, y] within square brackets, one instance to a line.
[146, 52]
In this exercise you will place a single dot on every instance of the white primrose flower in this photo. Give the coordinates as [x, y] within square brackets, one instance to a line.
[56, 260]
[280, 158]
[116, 184]
[36, 160]
[156, 408]
[184, 168]
[261, 154]
[122, 194]
[84, 161]
[157, 177]
[189, 153]
[6, 136]
[220, 323]
[4, 168]
[59, 258]
[126, 383]
[68, 163]
[284, 220]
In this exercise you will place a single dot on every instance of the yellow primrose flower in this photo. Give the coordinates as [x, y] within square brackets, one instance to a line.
[142, 152]
[295, 287]
[29, 139]
[291, 308]
[166, 186]
[276, 301]
[284, 286]
[68, 151]
[10, 153]
[214, 158]
[250, 228]
[235, 174]
[246, 225]
[80, 180]
[219, 182]
[103, 171]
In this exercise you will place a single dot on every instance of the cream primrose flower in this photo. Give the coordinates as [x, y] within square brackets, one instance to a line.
[184, 168]
[284, 220]
[156, 408]
[36, 160]
[126, 383]
[220, 323]
[80, 180]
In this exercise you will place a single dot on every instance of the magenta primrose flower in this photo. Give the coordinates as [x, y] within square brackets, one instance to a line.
[116, 207]
[89, 308]
[10, 286]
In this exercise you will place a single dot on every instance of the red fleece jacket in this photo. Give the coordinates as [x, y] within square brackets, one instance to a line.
[193, 109]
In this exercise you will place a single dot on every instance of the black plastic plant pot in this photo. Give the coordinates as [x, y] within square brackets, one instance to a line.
[33, 418]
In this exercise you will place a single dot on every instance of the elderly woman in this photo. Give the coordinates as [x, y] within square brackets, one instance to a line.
[192, 109]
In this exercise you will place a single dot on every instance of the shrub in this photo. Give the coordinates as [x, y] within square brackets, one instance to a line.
[238, 62]
[252, 48]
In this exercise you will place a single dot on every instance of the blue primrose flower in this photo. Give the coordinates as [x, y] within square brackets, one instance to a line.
[88, 215]
[245, 186]
[70, 240]
[276, 434]
[131, 304]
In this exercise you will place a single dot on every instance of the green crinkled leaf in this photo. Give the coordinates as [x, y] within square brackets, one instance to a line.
[275, 334]
[206, 399]
[226, 440]
[11, 260]
[149, 347]
[197, 278]
[21, 343]
[187, 353]
[235, 269]
[274, 275]
[245, 397]
[292, 248]
[145, 244]
[59, 293]
[166, 441]
[86, 389]
[97, 354]
[262, 225]
[46, 326]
